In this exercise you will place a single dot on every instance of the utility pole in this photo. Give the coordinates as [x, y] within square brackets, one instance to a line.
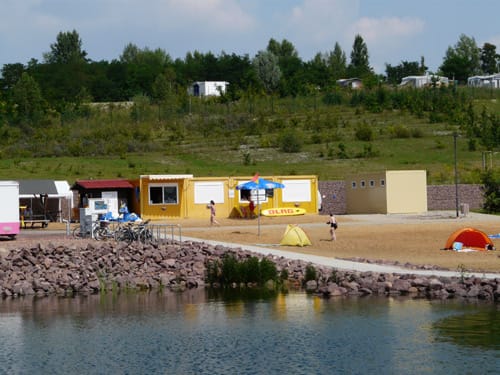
[455, 135]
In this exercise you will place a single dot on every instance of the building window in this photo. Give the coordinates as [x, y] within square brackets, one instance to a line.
[363, 184]
[382, 182]
[372, 183]
[353, 185]
[163, 194]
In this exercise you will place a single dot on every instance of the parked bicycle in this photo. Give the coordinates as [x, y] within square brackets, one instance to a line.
[134, 232]
[82, 231]
[103, 231]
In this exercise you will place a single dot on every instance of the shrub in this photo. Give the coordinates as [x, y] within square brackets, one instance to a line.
[364, 133]
[311, 273]
[290, 142]
[399, 131]
[231, 270]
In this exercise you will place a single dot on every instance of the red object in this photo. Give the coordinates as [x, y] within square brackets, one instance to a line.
[105, 184]
[470, 238]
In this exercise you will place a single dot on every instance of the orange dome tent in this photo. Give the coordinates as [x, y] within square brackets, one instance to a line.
[471, 238]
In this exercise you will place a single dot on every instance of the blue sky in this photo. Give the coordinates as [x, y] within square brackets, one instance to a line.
[394, 30]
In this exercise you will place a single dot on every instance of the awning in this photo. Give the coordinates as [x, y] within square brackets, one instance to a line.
[158, 177]
[54, 189]
[37, 187]
[102, 184]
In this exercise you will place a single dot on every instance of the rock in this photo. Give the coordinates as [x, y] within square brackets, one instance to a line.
[311, 285]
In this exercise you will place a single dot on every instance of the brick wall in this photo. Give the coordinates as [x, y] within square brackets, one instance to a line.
[439, 197]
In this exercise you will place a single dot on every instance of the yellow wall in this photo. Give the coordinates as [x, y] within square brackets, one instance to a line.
[199, 209]
[368, 199]
[192, 201]
[406, 192]
[162, 211]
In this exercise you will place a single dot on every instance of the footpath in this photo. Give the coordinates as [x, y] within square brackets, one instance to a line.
[342, 264]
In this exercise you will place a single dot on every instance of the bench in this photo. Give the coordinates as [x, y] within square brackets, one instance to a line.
[33, 221]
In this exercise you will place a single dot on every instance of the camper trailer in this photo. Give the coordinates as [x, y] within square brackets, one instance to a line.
[424, 81]
[9, 214]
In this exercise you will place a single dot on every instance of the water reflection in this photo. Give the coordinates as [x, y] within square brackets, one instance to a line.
[258, 331]
[474, 329]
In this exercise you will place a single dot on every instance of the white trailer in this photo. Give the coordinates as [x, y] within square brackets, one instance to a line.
[9, 213]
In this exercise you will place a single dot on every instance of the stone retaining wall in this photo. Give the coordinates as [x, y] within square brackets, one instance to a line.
[439, 197]
[96, 267]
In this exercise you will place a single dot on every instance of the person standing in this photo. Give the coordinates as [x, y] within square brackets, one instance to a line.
[333, 226]
[213, 221]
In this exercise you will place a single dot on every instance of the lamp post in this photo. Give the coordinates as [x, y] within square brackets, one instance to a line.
[455, 135]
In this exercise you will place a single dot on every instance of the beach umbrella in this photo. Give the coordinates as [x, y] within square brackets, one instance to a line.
[256, 184]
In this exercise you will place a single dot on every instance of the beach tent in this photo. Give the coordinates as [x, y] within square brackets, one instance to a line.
[294, 236]
[469, 238]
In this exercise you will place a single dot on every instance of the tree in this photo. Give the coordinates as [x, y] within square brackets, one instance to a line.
[290, 64]
[407, 68]
[462, 60]
[337, 63]
[491, 191]
[490, 60]
[267, 69]
[359, 66]
[11, 74]
[66, 49]
[27, 98]
[142, 68]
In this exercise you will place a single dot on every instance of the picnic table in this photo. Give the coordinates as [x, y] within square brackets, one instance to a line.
[34, 220]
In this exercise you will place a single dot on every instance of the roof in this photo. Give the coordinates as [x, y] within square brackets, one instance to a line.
[30, 187]
[103, 184]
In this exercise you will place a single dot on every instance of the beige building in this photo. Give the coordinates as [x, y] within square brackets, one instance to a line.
[389, 192]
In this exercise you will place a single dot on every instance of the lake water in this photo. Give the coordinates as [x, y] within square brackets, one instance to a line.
[260, 333]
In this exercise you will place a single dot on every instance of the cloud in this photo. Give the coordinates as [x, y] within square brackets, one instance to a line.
[316, 23]
[393, 30]
[388, 36]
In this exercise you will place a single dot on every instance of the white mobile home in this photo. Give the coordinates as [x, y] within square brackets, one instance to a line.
[422, 81]
[208, 88]
[489, 81]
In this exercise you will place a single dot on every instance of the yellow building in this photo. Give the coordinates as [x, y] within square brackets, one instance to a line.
[389, 192]
[183, 196]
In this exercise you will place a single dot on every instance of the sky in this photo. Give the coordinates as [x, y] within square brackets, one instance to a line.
[393, 30]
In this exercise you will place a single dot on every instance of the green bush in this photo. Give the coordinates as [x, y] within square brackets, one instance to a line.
[399, 131]
[311, 273]
[364, 133]
[290, 142]
[231, 270]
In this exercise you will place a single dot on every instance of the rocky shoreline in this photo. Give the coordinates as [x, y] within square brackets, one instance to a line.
[79, 267]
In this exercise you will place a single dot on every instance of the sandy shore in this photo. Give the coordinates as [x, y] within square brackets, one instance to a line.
[415, 239]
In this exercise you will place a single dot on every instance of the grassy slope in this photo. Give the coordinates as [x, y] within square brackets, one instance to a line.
[221, 152]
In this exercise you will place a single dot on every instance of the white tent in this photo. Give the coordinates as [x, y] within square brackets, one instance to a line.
[58, 193]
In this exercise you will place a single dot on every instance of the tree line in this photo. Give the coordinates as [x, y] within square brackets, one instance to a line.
[67, 78]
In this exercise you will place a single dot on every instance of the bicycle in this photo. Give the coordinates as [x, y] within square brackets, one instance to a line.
[79, 231]
[103, 231]
[130, 233]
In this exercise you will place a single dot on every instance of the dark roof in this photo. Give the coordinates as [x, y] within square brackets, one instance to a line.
[102, 184]
[37, 187]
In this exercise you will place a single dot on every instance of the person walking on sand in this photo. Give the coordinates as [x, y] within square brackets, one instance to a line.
[213, 221]
[333, 226]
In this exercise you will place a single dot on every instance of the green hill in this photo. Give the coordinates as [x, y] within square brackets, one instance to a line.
[329, 135]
